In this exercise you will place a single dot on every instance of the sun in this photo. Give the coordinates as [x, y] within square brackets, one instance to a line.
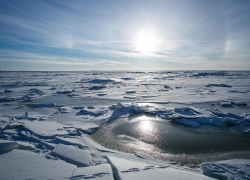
[146, 42]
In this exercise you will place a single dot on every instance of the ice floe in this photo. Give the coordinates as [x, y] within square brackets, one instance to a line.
[45, 129]
[20, 164]
[72, 155]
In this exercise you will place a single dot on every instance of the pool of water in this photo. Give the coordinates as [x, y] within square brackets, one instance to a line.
[165, 140]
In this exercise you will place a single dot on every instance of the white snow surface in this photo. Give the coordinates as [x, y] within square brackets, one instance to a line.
[72, 155]
[45, 129]
[5, 144]
[126, 169]
[19, 164]
[237, 169]
[48, 117]
[98, 172]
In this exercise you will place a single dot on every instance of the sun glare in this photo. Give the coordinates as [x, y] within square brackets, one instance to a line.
[146, 42]
[146, 126]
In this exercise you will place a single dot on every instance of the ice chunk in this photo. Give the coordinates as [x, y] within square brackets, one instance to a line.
[64, 91]
[101, 94]
[131, 91]
[224, 104]
[117, 106]
[238, 103]
[97, 87]
[71, 141]
[218, 85]
[137, 109]
[243, 123]
[46, 129]
[127, 169]
[7, 99]
[127, 79]
[181, 109]
[20, 164]
[188, 122]
[214, 121]
[232, 121]
[41, 105]
[102, 81]
[5, 144]
[7, 91]
[229, 169]
[72, 155]
[14, 125]
[46, 144]
[168, 87]
[247, 131]
[98, 172]
[130, 97]
[25, 145]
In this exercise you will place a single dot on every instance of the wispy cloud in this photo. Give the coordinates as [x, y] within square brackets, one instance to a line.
[17, 56]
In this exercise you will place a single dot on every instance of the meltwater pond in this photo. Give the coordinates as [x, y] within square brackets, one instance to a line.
[165, 140]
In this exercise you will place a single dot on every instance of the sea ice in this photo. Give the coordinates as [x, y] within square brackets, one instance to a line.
[238, 103]
[128, 169]
[188, 122]
[102, 81]
[7, 91]
[17, 97]
[214, 121]
[224, 104]
[235, 169]
[72, 155]
[46, 144]
[71, 141]
[181, 109]
[5, 144]
[21, 164]
[46, 129]
[98, 172]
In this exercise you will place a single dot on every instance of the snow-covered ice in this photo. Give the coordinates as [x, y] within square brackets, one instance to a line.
[98, 172]
[20, 164]
[46, 129]
[5, 144]
[230, 169]
[48, 122]
[126, 169]
[72, 155]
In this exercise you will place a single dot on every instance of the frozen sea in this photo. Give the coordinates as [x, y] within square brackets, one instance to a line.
[182, 118]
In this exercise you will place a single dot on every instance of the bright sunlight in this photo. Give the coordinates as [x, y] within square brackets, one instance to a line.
[146, 42]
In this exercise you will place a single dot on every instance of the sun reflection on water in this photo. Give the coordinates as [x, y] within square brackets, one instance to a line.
[146, 126]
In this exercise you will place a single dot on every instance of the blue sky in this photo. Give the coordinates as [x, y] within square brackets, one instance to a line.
[124, 35]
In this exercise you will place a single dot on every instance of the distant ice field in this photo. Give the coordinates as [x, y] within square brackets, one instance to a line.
[184, 116]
